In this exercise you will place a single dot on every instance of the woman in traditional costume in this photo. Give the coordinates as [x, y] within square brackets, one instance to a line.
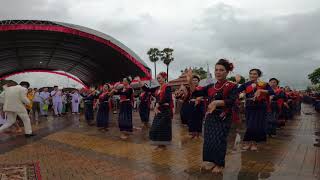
[288, 108]
[125, 114]
[257, 99]
[277, 102]
[221, 96]
[144, 106]
[88, 98]
[197, 108]
[103, 110]
[183, 95]
[161, 130]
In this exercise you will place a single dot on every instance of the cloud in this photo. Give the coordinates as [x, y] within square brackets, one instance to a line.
[34, 9]
[275, 44]
[281, 38]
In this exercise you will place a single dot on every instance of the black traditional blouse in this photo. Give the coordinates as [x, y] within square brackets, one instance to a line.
[164, 95]
[88, 98]
[222, 90]
[197, 92]
[145, 98]
[125, 94]
[104, 97]
[251, 87]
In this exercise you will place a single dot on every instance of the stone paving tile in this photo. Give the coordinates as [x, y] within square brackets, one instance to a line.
[49, 125]
[137, 165]
[68, 149]
[60, 164]
[132, 151]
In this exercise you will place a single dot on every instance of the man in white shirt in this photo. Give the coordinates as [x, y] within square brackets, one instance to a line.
[15, 99]
[44, 95]
[75, 102]
[36, 104]
[56, 95]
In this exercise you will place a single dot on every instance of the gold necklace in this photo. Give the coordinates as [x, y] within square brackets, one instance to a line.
[214, 86]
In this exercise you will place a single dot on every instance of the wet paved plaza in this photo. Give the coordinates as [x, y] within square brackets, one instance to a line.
[68, 149]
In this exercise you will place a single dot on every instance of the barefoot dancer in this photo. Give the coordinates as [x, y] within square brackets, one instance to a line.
[125, 115]
[103, 110]
[144, 106]
[257, 98]
[161, 130]
[276, 105]
[197, 108]
[183, 95]
[88, 98]
[222, 97]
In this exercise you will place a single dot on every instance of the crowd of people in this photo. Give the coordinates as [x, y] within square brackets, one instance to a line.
[57, 100]
[207, 111]
[313, 98]
[267, 108]
[40, 102]
[14, 100]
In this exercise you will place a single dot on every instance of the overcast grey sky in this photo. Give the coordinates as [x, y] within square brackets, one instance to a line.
[279, 36]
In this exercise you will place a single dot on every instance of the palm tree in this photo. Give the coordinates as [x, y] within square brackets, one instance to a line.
[154, 56]
[167, 58]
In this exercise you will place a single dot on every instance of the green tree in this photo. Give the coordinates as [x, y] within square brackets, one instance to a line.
[167, 57]
[198, 71]
[233, 79]
[154, 56]
[315, 76]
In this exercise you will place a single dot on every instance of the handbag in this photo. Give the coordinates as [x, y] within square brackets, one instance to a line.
[45, 107]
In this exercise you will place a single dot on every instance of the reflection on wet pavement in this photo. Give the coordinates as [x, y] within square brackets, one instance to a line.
[68, 149]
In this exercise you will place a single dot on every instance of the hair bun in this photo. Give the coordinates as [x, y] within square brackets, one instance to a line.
[226, 63]
[231, 66]
[129, 79]
[164, 75]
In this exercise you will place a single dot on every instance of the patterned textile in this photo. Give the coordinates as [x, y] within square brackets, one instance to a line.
[161, 129]
[286, 113]
[196, 119]
[216, 132]
[27, 171]
[103, 115]
[144, 106]
[272, 118]
[217, 124]
[272, 123]
[88, 111]
[125, 116]
[144, 112]
[256, 121]
[185, 112]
